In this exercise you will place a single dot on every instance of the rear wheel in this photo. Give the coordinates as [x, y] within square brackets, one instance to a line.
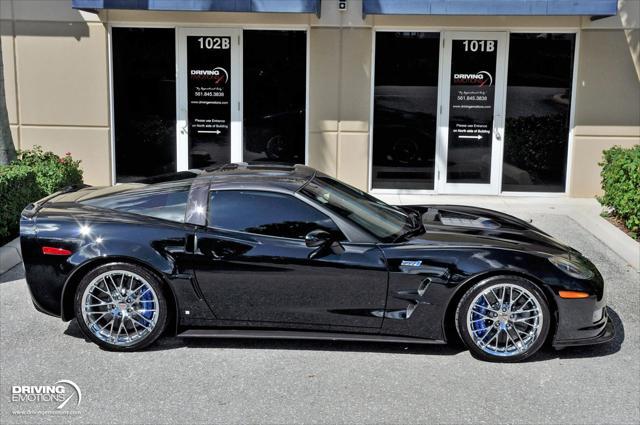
[121, 307]
[503, 319]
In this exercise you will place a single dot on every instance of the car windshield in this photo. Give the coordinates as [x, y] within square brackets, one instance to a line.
[384, 221]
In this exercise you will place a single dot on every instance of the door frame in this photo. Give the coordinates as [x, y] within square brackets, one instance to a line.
[443, 31]
[499, 103]
[182, 136]
[182, 24]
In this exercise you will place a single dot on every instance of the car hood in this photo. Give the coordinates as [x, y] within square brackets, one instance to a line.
[462, 226]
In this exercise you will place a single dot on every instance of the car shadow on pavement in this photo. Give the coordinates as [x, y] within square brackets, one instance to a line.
[547, 352]
[170, 343]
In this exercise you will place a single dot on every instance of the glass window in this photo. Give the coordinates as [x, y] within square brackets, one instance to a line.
[538, 107]
[275, 73]
[279, 215]
[144, 102]
[471, 110]
[382, 220]
[209, 99]
[405, 105]
[168, 202]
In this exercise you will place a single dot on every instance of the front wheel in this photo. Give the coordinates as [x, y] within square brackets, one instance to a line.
[121, 307]
[503, 319]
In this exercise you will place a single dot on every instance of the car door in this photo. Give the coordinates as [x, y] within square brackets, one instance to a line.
[252, 265]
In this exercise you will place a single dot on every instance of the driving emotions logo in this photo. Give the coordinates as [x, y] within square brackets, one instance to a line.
[481, 79]
[218, 75]
[61, 393]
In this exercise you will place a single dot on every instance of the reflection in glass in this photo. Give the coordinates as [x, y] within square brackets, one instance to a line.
[405, 105]
[280, 215]
[274, 96]
[538, 108]
[167, 201]
[144, 102]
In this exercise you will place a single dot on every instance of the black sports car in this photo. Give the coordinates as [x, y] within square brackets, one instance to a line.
[266, 251]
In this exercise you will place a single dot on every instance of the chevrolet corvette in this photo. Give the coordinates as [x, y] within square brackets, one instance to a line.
[274, 251]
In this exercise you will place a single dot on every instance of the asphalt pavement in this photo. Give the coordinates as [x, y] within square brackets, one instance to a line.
[236, 381]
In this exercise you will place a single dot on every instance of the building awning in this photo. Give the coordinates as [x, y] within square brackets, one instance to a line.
[490, 7]
[274, 6]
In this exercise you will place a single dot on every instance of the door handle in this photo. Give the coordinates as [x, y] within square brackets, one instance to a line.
[192, 243]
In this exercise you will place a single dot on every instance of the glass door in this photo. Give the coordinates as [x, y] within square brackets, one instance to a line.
[209, 124]
[472, 112]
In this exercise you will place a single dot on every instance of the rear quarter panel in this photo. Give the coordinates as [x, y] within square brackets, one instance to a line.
[93, 234]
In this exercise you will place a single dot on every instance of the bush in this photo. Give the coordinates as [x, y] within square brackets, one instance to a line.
[621, 184]
[32, 176]
[18, 187]
[52, 172]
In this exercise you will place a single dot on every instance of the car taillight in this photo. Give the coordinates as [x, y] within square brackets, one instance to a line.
[50, 250]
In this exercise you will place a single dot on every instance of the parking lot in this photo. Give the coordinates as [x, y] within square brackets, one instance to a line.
[231, 381]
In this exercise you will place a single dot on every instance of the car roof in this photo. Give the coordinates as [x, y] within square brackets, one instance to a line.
[263, 175]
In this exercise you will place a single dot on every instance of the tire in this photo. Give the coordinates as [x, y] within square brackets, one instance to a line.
[123, 297]
[503, 319]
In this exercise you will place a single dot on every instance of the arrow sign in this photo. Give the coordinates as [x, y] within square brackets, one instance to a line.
[471, 137]
[209, 131]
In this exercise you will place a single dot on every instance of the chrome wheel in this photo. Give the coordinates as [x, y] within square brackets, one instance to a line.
[505, 320]
[120, 307]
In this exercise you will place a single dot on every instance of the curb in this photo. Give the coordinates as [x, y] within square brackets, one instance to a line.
[618, 241]
[10, 255]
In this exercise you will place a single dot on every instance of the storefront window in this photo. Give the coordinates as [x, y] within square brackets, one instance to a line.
[537, 112]
[144, 102]
[274, 95]
[405, 105]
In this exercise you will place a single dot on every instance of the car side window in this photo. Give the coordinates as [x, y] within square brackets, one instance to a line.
[167, 203]
[267, 213]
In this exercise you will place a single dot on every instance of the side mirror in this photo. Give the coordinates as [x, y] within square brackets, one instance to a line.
[324, 241]
[317, 238]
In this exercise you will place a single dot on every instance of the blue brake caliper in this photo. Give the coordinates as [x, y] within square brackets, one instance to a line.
[147, 304]
[477, 314]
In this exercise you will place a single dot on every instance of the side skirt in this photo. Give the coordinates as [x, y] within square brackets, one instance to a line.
[331, 336]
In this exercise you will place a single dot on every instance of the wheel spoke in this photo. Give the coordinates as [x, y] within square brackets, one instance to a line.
[95, 305]
[516, 300]
[520, 338]
[139, 323]
[140, 296]
[102, 290]
[526, 311]
[483, 315]
[111, 325]
[524, 319]
[505, 333]
[492, 338]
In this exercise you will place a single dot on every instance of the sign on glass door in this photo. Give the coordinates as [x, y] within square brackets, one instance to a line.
[209, 100]
[471, 110]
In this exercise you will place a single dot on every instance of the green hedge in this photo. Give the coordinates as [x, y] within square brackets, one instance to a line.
[52, 171]
[18, 187]
[621, 184]
[32, 176]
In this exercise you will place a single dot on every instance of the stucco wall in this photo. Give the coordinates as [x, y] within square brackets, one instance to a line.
[56, 79]
[607, 94]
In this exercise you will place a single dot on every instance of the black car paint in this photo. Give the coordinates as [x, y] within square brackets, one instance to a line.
[230, 280]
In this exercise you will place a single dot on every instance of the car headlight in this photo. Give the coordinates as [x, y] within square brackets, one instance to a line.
[571, 267]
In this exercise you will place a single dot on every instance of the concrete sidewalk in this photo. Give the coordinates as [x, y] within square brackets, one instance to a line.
[585, 211]
[10, 255]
